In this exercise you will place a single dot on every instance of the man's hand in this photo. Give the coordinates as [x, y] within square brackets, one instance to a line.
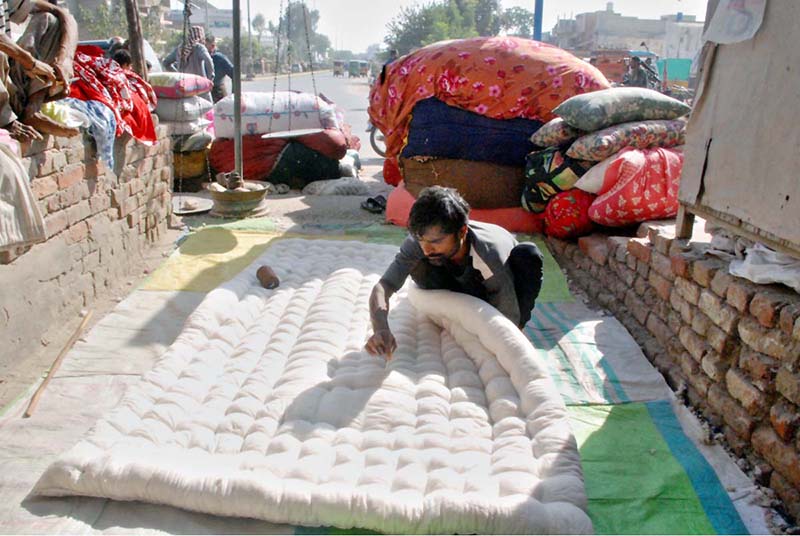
[43, 71]
[381, 343]
[62, 80]
[22, 132]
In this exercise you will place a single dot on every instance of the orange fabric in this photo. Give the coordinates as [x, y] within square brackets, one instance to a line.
[391, 172]
[497, 77]
[515, 220]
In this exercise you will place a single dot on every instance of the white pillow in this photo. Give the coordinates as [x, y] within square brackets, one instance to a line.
[592, 180]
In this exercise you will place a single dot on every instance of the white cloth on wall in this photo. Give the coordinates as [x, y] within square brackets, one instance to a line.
[21, 221]
[764, 265]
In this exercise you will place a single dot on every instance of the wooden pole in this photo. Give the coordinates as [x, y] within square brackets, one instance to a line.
[135, 38]
[57, 363]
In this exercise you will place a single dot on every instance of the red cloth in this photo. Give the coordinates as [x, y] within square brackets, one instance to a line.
[515, 220]
[123, 91]
[258, 155]
[567, 214]
[330, 142]
[640, 185]
[391, 171]
[497, 77]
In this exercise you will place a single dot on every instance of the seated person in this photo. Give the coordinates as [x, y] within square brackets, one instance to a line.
[444, 250]
[35, 69]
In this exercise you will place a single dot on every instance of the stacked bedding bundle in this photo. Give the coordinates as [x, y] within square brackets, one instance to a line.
[612, 156]
[183, 104]
[460, 114]
[292, 160]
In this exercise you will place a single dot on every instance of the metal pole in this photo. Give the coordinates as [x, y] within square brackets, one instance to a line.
[537, 20]
[250, 44]
[237, 88]
[208, 28]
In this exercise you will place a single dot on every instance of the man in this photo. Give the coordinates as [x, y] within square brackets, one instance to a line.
[222, 68]
[37, 68]
[444, 250]
[637, 75]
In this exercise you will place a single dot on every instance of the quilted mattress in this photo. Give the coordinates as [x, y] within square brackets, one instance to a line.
[267, 407]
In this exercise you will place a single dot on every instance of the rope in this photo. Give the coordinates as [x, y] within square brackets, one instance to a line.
[311, 63]
[277, 63]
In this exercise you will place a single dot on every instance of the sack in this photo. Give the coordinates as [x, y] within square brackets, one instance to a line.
[185, 109]
[639, 135]
[186, 128]
[593, 181]
[194, 142]
[554, 134]
[644, 186]
[547, 173]
[261, 114]
[178, 85]
[342, 186]
[481, 184]
[600, 109]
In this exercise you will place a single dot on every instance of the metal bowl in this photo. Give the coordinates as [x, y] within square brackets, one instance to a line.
[233, 203]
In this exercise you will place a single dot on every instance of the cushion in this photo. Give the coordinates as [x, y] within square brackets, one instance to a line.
[638, 134]
[645, 187]
[593, 180]
[481, 184]
[548, 172]
[554, 134]
[184, 109]
[178, 85]
[599, 109]
[567, 214]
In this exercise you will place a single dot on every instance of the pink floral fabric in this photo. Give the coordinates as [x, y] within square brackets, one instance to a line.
[645, 187]
[497, 77]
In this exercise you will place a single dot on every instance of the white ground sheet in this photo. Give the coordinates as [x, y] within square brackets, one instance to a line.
[266, 407]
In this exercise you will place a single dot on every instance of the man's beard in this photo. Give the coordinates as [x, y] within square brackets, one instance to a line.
[442, 259]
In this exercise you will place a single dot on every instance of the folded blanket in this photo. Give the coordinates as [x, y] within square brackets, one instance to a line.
[21, 222]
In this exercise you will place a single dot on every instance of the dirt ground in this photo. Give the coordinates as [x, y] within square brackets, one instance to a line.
[292, 211]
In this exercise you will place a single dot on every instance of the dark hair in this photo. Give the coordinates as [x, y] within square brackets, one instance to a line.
[438, 206]
[122, 56]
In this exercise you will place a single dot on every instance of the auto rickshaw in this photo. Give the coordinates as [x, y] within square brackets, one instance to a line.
[338, 68]
[353, 68]
[363, 68]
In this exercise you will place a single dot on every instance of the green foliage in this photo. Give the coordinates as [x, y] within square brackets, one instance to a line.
[298, 35]
[103, 21]
[437, 20]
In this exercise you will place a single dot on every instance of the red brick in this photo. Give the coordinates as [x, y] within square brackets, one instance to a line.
[700, 324]
[740, 292]
[758, 366]
[766, 306]
[636, 307]
[788, 384]
[640, 285]
[682, 306]
[693, 343]
[69, 175]
[720, 283]
[771, 342]
[687, 290]
[703, 271]
[784, 419]
[641, 249]
[681, 265]
[694, 375]
[788, 494]
[778, 454]
[720, 313]
[662, 286]
[55, 223]
[730, 411]
[661, 241]
[44, 186]
[753, 401]
[642, 268]
[128, 206]
[595, 247]
[99, 203]
[715, 366]
[77, 233]
[79, 212]
[789, 318]
[659, 329]
[661, 264]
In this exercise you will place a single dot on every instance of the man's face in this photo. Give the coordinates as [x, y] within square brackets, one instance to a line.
[438, 246]
[211, 47]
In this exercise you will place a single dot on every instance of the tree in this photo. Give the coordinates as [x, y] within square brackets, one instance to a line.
[259, 25]
[487, 17]
[517, 21]
[299, 37]
[102, 22]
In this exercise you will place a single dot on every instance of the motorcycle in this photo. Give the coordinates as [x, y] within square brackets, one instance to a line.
[376, 139]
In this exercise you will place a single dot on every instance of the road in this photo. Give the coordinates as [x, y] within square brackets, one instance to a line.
[350, 94]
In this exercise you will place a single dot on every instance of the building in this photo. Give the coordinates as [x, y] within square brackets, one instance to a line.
[217, 22]
[673, 36]
[86, 6]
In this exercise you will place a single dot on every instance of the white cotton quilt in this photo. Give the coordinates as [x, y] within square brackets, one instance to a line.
[267, 407]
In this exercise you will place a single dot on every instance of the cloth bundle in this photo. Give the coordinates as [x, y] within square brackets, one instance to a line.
[629, 137]
[460, 113]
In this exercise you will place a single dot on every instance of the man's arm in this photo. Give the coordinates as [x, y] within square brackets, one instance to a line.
[170, 60]
[382, 341]
[227, 67]
[31, 65]
[68, 42]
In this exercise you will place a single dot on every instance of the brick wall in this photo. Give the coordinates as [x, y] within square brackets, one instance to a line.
[732, 346]
[98, 221]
